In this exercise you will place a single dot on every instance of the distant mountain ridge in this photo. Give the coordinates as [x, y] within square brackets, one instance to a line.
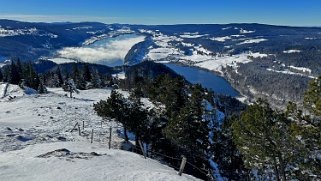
[274, 62]
[29, 41]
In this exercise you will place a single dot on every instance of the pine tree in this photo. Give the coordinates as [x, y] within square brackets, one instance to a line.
[69, 86]
[19, 67]
[59, 77]
[78, 78]
[55, 82]
[86, 73]
[226, 154]
[96, 79]
[31, 78]
[188, 129]
[170, 91]
[75, 73]
[308, 128]
[13, 76]
[265, 139]
[312, 97]
[137, 117]
[42, 88]
[1, 75]
[114, 107]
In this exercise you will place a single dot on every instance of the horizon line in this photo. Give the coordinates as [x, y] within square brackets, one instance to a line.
[111, 20]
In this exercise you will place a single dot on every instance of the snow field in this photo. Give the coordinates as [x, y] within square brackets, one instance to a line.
[36, 141]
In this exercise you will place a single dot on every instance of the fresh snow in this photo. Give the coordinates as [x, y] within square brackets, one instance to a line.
[221, 39]
[215, 122]
[291, 51]
[93, 39]
[257, 55]
[242, 31]
[120, 75]
[287, 71]
[82, 28]
[17, 32]
[310, 38]
[224, 38]
[162, 53]
[81, 161]
[226, 28]
[251, 41]
[165, 52]
[302, 69]
[191, 36]
[218, 62]
[32, 125]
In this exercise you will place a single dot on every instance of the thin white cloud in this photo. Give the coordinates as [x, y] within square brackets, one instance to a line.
[107, 54]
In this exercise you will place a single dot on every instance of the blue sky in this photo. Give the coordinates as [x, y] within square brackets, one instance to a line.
[280, 12]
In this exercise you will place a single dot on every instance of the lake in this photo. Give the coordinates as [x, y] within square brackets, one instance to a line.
[112, 50]
[206, 78]
[109, 51]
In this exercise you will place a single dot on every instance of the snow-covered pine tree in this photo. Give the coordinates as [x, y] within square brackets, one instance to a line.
[69, 86]
[42, 88]
[96, 79]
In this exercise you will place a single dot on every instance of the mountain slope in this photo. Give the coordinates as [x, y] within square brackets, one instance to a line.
[37, 141]
[80, 161]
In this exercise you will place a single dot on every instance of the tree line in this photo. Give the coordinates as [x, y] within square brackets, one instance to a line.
[82, 75]
[257, 143]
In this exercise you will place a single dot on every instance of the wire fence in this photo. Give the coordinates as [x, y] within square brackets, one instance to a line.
[206, 172]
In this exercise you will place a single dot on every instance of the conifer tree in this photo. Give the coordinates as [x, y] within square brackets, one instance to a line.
[19, 67]
[312, 97]
[96, 79]
[188, 129]
[77, 77]
[69, 86]
[13, 76]
[59, 77]
[31, 78]
[266, 141]
[137, 117]
[86, 73]
[42, 88]
[114, 107]
[1, 75]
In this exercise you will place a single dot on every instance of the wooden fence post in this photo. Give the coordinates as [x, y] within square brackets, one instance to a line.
[142, 148]
[79, 130]
[74, 127]
[109, 143]
[181, 168]
[92, 135]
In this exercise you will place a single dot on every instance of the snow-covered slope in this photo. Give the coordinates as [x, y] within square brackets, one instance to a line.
[33, 125]
[165, 51]
[81, 161]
